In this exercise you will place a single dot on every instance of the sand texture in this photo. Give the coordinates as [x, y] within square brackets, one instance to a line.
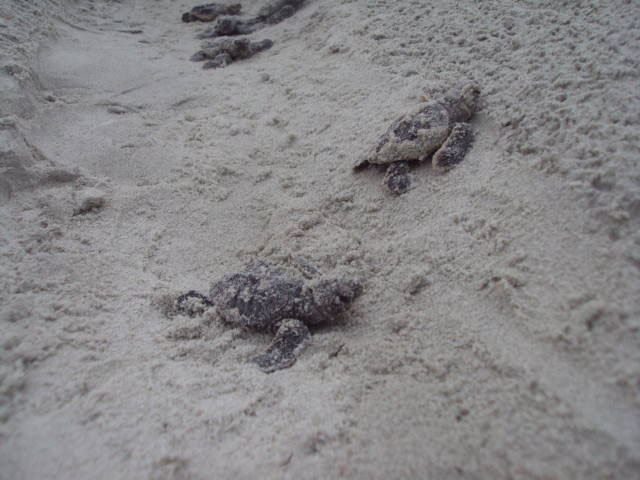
[498, 334]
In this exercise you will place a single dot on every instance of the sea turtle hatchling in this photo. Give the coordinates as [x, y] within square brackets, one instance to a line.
[438, 127]
[209, 12]
[267, 298]
[274, 12]
[222, 52]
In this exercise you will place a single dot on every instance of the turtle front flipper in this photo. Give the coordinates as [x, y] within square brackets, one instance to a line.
[397, 178]
[292, 337]
[454, 148]
[191, 304]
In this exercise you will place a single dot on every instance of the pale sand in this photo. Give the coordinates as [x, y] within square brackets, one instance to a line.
[498, 335]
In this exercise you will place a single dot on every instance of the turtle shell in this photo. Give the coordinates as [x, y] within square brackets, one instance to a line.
[413, 137]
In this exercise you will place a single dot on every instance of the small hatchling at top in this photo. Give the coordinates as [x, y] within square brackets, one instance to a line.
[438, 128]
[209, 12]
[267, 298]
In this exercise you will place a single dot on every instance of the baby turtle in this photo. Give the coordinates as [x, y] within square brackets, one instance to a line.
[271, 14]
[266, 298]
[437, 127]
[222, 52]
[209, 12]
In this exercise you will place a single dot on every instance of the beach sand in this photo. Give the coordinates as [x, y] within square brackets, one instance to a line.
[498, 335]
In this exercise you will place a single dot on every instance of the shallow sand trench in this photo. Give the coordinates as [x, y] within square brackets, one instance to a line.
[498, 335]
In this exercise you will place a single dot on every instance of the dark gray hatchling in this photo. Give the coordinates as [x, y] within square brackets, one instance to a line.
[210, 11]
[222, 52]
[275, 11]
[438, 128]
[266, 298]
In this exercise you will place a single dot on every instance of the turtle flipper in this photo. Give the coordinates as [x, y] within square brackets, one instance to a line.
[454, 148]
[361, 163]
[191, 304]
[292, 337]
[397, 178]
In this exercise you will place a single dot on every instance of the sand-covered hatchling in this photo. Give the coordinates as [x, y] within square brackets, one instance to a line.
[438, 128]
[222, 52]
[274, 12]
[210, 11]
[267, 298]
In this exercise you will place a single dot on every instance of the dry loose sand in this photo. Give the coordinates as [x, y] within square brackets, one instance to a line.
[498, 335]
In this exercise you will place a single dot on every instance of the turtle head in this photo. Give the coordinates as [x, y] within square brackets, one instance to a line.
[333, 296]
[462, 101]
[469, 95]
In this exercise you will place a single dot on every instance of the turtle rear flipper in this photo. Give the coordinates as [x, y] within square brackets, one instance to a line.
[397, 179]
[292, 337]
[454, 148]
